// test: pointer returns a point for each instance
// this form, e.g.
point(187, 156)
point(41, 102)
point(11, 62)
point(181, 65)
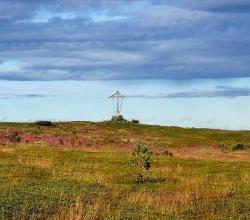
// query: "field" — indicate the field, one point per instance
point(82, 170)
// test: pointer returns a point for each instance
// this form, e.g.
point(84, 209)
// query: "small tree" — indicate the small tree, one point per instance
point(140, 163)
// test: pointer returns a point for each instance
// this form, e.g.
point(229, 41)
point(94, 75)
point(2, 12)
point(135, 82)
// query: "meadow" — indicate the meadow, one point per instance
point(81, 170)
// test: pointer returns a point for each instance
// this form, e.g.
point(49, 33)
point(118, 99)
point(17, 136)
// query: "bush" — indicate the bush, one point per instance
point(140, 163)
point(135, 121)
point(167, 153)
point(14, 137)
point(239, 147)
point(44, 123)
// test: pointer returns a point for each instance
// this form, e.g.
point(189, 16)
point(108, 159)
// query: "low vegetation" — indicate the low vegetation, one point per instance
point(239, 147)
point(83, 170)
point(44, 123)
point(14, 136)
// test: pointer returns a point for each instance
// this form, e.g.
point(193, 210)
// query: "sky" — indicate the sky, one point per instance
point(188, 50)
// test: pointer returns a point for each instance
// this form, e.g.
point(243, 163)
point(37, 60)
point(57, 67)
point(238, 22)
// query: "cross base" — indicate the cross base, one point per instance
point(118, 118)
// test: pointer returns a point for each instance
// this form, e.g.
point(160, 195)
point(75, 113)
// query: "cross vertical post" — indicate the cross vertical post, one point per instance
point(118, 100)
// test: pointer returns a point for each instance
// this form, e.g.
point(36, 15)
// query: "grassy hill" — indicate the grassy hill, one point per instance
point(82, 170)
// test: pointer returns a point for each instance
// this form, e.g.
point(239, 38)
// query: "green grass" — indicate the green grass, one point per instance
point(92, 179)
point(108, 133)
point(47, 182)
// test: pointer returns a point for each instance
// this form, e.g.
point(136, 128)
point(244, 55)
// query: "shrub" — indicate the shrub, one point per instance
point(222, 145)
point(14, 137)
point(44, 123)
point(140, 163)
point(135, 121)
point(167, 153)
point(61, 142)
point(239, 147)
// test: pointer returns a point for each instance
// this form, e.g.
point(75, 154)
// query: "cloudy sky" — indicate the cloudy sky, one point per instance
point(124, 39)
point(195, 52)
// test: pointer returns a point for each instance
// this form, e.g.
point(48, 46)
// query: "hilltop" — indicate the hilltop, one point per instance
point(81, 170)
point(112, 136)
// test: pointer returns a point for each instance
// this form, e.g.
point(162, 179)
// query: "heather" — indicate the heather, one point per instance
point(82, 170)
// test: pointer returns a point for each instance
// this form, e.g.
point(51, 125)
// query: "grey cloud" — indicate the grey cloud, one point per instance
point(218, 92)
point(225, 6)
point(160, 39)
point(235, 6)
point(12, 95)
